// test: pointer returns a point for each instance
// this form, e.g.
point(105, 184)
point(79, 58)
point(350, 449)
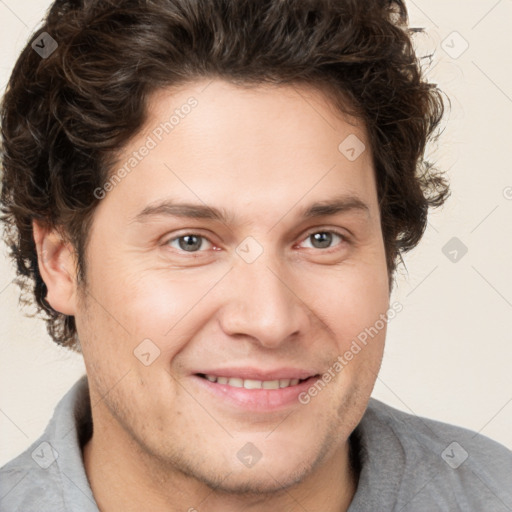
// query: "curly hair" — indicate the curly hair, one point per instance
point(65, 117)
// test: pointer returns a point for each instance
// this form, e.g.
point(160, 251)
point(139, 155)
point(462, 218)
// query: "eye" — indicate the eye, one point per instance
point(324, 239)
point(189, 242)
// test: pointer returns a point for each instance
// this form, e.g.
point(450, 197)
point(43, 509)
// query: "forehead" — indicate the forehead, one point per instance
point(311, 109)
point(258, 149)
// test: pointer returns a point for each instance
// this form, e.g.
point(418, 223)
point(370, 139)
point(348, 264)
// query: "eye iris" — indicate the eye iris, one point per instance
point(323, 238)
point(190, 242)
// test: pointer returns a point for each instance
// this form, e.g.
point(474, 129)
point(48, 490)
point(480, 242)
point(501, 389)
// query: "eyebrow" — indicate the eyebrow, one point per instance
point(340, 204)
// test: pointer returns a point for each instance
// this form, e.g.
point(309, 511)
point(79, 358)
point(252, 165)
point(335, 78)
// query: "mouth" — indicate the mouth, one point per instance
point(245, 393)
point(238, 382)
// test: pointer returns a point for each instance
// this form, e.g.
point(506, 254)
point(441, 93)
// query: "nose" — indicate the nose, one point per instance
point(260, 303)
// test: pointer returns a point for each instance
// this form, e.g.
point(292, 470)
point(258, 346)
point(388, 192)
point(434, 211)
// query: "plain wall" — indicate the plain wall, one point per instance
point(448, 353)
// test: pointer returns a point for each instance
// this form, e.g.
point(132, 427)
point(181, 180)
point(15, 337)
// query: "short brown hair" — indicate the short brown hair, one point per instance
point(64, 117)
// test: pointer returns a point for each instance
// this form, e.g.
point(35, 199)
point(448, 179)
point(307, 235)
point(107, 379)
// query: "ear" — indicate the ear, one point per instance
point(57, 266)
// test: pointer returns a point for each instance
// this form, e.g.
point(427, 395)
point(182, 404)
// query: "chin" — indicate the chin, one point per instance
point(263, 480)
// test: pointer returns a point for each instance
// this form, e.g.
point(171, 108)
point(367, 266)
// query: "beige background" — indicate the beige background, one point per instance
point(449, 352)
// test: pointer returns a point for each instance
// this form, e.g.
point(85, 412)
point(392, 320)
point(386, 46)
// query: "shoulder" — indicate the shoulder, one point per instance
point(30, 481)
point(435, 436)
point(432, 432)
point(49, 475)
point(450, 467)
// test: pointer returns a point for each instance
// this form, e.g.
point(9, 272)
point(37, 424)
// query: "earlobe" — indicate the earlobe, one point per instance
point(57, 266)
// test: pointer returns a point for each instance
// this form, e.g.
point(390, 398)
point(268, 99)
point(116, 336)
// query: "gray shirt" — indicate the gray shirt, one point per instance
point(406, 463)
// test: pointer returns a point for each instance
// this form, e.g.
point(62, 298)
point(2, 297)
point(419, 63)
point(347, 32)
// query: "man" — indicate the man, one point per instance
point(209, 199)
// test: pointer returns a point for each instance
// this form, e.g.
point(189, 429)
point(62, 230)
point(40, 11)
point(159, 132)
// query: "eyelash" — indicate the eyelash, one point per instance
point(344, 240)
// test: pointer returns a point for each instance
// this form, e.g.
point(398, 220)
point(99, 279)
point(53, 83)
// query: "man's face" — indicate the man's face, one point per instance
point(264, 294)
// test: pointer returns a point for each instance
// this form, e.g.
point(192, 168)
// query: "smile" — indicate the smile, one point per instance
point(238, 382)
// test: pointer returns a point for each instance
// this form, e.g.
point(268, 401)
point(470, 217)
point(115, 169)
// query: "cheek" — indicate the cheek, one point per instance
point(353, 299)
point(161, 305)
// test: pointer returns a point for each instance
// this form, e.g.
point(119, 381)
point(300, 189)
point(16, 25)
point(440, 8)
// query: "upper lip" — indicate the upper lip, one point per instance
point(260, 374)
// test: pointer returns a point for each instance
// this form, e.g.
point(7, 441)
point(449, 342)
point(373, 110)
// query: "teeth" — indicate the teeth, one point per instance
point(253, 384)
point(236, 382)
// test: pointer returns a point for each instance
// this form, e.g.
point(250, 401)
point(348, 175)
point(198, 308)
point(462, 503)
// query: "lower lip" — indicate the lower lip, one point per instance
point(257, 400)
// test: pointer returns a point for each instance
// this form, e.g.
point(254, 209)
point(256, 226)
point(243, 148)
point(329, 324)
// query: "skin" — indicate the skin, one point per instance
point(161, 441)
